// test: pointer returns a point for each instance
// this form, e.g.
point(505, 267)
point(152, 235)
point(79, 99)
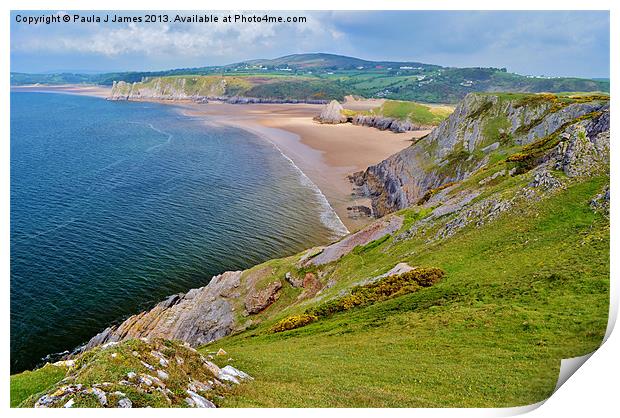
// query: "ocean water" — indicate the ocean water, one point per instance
point(116, 205)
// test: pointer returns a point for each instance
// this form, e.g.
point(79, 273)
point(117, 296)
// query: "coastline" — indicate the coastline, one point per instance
point(324, 154)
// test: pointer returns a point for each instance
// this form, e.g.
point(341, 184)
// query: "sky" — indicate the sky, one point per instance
point(552, 43)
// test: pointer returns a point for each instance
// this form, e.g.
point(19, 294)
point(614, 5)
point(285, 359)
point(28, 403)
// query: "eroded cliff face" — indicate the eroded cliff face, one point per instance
point(231, 90)
point(482, 127)
point(196, 317)
point(170, 88)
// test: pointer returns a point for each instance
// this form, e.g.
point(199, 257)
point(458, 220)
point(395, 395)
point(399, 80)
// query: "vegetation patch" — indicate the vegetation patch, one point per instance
point(429, 193)
point(134, 373)
point(383, 289)
point(293, 321)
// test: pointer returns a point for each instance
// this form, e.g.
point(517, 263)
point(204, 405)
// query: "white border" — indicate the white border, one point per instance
point(593, 388)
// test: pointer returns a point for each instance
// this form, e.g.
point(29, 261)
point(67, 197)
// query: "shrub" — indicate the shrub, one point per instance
point(385, 288)
point(292, 322)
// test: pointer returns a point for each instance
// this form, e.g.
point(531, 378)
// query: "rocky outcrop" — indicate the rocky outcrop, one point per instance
point(259, 300)
point(332, 113)
point(374, 231)
point(462, 143)
point(198, 89)
point(196, 317)
point(582, 151)
point(137, 374)
point(387, 124)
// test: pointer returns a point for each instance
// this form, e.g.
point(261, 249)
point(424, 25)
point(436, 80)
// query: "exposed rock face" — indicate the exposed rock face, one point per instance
point(197, 317)
point(583, 151)
point(387, 124)
point(370, 233)
point(585, 147)
point(185, 88)
point(311, 285)
point(460, 146)
point(261, 299)
point(332, 113)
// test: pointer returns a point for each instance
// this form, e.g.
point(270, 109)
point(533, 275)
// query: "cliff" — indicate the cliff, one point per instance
point(227, 89)
point(481, 128)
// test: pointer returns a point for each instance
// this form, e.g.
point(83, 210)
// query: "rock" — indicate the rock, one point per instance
point(124, 403)
point(69, 404)
point(359, 211)
point(199, 401)
point(374, 231)
point(293, 281)
point(258, 301)
point(131, 375)
point(492, 147)
point(162, 375)
point(198, 317)
point(230, 370)
point(221, 352)
point(332, 113)
point(545, 180)
point(600, 202)
point(311, 285)
point(388, 124)
point(197, 386)
point(160, 357)
point(148, 366)
point(101, 397)
point(65, 363)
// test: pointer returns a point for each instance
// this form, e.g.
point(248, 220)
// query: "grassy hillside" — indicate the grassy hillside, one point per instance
point(520, 294)
point(303, 76)
point(412, 111)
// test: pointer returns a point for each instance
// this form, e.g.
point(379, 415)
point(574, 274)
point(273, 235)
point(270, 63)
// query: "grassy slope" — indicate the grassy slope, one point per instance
point(30, 382)
point(520, 294)
point(415, 112)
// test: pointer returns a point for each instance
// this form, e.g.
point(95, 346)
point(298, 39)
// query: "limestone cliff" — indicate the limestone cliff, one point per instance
point(234, 90)
point(483, 126)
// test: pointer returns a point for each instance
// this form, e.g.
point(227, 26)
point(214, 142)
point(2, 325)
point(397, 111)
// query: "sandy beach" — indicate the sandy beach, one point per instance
point(327, 154)
point(87, 90)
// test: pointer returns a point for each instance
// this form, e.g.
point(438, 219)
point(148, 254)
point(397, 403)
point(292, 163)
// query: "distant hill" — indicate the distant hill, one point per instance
point(330, 61)
point(329, 76)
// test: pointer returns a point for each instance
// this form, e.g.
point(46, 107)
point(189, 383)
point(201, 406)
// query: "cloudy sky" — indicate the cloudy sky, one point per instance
point(555, 43)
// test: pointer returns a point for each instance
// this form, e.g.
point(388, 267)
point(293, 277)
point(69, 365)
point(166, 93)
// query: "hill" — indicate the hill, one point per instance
point(303, 76)
point(489, 265)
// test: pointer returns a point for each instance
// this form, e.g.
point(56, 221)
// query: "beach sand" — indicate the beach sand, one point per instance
point(326, 154)
point(87, 90)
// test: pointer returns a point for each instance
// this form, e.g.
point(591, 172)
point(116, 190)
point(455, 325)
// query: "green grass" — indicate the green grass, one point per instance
point(519, 295)
point(29, 383)
point(415, 112)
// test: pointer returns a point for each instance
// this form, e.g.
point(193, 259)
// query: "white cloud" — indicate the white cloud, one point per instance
point(180, 39)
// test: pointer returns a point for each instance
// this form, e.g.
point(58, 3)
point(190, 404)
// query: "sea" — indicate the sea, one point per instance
point(116, 205)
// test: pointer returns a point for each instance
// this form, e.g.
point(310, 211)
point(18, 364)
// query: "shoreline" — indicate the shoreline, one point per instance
point(324, 154)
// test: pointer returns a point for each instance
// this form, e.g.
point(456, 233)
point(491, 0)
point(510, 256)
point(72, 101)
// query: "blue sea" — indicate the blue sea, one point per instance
point(115, 205)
